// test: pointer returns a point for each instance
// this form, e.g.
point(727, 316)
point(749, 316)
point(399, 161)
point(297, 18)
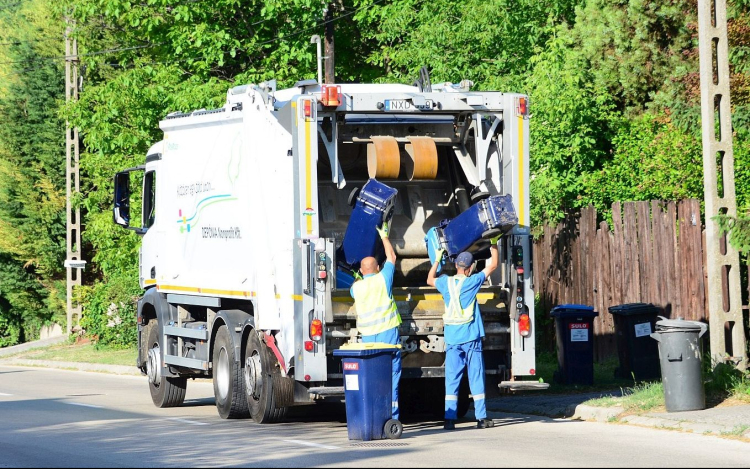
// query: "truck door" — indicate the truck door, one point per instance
point(151, 237)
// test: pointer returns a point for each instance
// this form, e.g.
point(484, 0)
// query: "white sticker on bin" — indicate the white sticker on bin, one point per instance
point(579, 332)
point(642, 330)
point(352, 382)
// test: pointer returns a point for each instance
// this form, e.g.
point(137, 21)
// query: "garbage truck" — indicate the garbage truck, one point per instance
point(243, 210)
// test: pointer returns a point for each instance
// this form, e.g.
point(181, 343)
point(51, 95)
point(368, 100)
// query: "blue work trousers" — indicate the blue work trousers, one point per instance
point(390, 337)
point(458, 357)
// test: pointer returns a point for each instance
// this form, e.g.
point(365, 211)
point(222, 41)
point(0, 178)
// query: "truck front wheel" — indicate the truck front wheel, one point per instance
point(229, 383)
point(165, 391)
point(261, 375)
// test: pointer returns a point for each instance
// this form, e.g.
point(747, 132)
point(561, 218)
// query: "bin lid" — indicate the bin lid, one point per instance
point(573, 310)
point(665, 325)
point(631, 309)
point(361, 349)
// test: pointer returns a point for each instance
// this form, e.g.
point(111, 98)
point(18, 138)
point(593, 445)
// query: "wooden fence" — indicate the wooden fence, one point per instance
point(652, 254)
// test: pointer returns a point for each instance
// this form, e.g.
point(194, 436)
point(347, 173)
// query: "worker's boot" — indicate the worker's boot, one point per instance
point(449, 425)
point(485, 423)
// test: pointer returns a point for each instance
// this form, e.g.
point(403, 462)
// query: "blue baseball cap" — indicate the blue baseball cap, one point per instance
point(464, 260)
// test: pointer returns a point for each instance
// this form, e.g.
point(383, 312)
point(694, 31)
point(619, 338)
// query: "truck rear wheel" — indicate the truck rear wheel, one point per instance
point(261, 376)
point(229, 382)
point(165, 391)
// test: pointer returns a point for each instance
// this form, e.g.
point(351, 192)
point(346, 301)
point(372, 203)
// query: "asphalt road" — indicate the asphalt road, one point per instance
point(57, 418)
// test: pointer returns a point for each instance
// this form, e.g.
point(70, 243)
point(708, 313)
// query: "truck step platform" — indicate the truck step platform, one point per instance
point(326, 391)
point(523, 385)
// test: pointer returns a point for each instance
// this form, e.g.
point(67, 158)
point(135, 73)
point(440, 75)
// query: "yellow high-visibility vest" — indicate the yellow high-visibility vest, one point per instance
point(376, 310)
point(455, 315)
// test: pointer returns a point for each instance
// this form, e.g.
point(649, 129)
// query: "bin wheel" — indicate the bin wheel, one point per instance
point(478, 195)
point(393, 429)
point(353, 196)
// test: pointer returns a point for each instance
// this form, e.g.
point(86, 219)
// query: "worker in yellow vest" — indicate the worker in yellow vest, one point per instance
point(463, 332)
point(377, 314)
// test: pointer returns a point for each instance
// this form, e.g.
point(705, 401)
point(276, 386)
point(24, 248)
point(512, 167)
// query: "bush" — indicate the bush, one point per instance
point(726, 381)
point(109, 311)
point(10, 333)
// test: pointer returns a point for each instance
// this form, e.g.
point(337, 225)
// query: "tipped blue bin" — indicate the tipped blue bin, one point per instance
point(367, 388)
point(373, 206)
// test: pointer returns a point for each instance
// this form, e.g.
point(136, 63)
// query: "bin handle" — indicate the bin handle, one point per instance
point(674, 359)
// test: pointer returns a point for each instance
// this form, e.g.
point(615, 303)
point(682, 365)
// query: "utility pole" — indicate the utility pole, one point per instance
point(724, 289)
point(73, 215)
point(330, 75)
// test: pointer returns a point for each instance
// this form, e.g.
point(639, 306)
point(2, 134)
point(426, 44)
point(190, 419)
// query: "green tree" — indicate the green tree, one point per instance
point(32, 170)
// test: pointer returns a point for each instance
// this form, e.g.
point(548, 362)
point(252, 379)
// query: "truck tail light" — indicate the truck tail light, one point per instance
point(522, 107)
point(330, 95)
point(309, 345)
point(307, 108)
point(316, 330)
point(524, 325)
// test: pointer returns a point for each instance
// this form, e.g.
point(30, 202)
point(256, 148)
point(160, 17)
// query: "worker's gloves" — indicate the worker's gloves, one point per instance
point(383, 231)
point(494, 240)
point(439, 255)
point(356, 275)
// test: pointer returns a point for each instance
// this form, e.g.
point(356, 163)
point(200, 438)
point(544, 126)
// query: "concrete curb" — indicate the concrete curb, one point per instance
point(599, 414)
point(90, 367)
point(556, 406)
point(694, 427)
point(6, 351)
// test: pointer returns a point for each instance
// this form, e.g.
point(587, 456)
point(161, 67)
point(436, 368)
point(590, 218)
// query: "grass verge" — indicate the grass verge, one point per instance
point(642, 397)
point(723, 384)
point(726, 382)
point(87, 353)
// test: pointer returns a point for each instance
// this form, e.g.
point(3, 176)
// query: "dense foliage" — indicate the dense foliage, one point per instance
point(32, 171)
point(613, 85)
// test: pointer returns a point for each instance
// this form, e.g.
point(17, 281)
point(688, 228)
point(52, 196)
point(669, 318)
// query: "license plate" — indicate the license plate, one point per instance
point(406, 105)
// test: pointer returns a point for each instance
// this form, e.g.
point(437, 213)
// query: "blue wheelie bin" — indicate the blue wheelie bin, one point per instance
point(367, 387)
point(373, 205)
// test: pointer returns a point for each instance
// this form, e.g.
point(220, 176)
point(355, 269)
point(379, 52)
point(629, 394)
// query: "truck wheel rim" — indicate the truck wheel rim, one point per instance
point(153, 368)
point(222, 374)
point(253, 376)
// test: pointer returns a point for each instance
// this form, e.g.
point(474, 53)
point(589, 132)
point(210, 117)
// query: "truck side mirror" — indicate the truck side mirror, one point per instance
point(121, 209)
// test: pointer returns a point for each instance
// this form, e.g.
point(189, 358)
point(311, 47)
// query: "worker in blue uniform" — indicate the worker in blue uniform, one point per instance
point(377, 315)
point(463, 332)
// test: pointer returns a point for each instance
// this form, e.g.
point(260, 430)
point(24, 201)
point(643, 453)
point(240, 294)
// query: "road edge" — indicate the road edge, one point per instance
point(89, 367)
